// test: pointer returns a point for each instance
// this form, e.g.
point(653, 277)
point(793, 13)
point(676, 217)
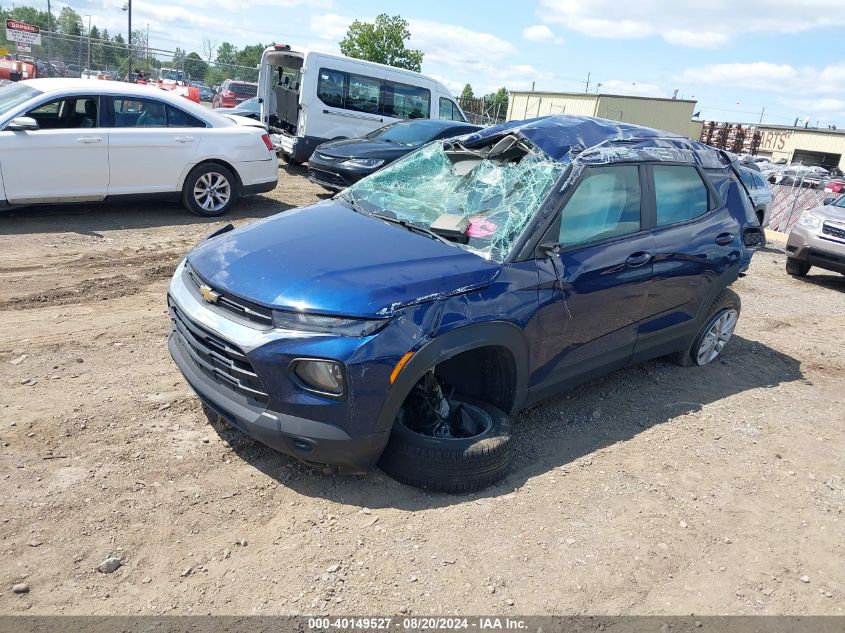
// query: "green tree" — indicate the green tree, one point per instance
point(195, 67)
point(382, 42)
point(250, 55)
point(467, 93)
point(30, 15)
point(496, 103)
point(227, 53)
point(69, 22)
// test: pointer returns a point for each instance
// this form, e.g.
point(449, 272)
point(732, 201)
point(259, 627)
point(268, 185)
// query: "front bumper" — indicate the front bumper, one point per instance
point(808, 245)
point(334, 177)
point(303, 438)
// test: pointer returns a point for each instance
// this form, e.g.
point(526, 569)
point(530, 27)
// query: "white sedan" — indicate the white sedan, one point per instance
point(72, 140)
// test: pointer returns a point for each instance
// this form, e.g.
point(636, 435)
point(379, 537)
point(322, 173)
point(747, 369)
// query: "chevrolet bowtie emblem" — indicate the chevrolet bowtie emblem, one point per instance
point(208, 294)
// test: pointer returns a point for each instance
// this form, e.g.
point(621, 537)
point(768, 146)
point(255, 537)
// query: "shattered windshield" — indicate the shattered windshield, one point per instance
point(495, 190)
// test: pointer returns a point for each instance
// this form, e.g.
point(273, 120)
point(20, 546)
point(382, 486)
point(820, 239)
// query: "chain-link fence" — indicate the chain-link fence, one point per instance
point(789, 202)
point(483, 112)
point(62, 55)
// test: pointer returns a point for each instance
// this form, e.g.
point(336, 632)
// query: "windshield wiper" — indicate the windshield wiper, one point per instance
point(413, 227)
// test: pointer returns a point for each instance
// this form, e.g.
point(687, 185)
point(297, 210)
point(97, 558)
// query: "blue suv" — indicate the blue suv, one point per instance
point(404, 321)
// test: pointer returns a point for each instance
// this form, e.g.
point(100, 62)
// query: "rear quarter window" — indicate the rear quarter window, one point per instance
point(680, 194)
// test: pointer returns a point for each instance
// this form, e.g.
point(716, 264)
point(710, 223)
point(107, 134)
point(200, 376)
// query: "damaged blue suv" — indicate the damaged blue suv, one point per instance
point(404, 321)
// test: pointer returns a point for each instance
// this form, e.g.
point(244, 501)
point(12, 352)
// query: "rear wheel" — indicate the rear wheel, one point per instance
point(715, 334)
point(210, 190)
point(797, 268)
point(466, 447)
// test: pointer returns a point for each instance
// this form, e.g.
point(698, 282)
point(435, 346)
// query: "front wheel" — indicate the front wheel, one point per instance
point(715, 334)
point(797, 268)
point(475, 458)
point(210, 190)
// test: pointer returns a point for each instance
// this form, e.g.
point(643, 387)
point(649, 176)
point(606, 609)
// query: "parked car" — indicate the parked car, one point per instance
point(760, 192)
point(818, 239)
point(233, 93)
point(100, 140)
point(206, 93)
point(309, 98)
point(836, 185)
point(338, 164)
point(249, 109)
point(405, 320)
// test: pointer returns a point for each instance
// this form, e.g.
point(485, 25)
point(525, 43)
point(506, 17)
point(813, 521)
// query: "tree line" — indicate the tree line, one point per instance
point(383, 41)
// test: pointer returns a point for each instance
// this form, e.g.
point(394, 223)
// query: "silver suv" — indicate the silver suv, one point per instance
point(818, 239)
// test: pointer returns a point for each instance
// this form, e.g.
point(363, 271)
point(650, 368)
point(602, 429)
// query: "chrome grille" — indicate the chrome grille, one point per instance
point(217, 358)
point(236, 305)
point(833, 231)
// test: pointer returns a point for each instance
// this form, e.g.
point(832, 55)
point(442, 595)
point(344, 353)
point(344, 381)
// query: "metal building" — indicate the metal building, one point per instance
point(808, 146)
point(672, 115)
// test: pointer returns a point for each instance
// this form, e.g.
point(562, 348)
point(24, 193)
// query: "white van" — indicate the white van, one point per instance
point(309, 98)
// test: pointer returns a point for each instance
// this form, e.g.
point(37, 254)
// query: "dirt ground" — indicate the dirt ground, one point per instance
point(656, 490)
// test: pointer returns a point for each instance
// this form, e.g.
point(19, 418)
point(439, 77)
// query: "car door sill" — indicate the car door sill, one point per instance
point(56, 200)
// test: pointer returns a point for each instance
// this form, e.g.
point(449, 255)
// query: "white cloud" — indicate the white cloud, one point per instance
point(770, 77)
point(454, 54)
point(689, 22)
point(540, 33)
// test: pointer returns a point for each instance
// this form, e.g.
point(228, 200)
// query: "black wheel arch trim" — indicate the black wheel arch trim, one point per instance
point(440, 348)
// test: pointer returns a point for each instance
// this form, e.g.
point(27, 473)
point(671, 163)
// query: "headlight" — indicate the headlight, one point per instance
point(363, 162)
point(320, 376)
point(326, 324)
point(809, 220)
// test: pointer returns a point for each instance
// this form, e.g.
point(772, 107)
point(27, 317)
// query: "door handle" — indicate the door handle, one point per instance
point(638, 259)
point(184, 139)
point(89, 139)
point(723, 239)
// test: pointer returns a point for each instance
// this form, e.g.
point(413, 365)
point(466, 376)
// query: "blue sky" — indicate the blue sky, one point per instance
point(734, 57)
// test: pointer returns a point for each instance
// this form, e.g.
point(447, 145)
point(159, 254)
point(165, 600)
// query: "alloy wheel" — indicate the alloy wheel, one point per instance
point(717, 335)
point(212, 191)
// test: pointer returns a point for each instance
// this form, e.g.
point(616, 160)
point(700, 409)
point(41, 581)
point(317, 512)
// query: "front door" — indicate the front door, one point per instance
point(593, 293)
point(151, 145)
point(65, 160)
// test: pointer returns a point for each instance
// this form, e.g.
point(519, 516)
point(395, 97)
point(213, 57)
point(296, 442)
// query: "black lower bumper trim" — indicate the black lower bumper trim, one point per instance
point(304, 439)
point(262, 187)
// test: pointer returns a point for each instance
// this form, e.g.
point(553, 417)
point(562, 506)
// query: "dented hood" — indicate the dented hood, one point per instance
point(329, 259)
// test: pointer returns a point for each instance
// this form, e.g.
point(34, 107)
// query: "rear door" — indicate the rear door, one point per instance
point(696, 244)
point(65, 160)
point(152, 144)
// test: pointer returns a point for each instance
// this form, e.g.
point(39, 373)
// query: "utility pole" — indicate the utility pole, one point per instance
point(761, 115)
point(49, 27)
point(587, 89)
point(88, 67)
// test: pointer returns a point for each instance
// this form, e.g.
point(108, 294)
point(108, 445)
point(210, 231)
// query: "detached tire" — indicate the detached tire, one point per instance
point(796, 268)
point(447, 464)
point(210, 190)
point(718, 328)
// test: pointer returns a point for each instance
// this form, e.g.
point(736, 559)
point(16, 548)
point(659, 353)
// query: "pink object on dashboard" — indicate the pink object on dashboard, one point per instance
point(479, 227)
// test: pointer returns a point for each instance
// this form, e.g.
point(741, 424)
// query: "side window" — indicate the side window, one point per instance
point(449, 111)
point(680, 194)
point(759, 182)
point(363, 94)
point(747, 178)
point(67, 113)
point(330, 87)
point(606, 204)
point(404, 101)
point(180, 118)
point(134, 112)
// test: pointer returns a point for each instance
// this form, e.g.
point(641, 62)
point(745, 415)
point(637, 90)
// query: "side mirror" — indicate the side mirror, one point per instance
point(23, 124)
point(827, 201)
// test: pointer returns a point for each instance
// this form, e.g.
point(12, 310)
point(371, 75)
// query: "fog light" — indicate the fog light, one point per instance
point(320, 376)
